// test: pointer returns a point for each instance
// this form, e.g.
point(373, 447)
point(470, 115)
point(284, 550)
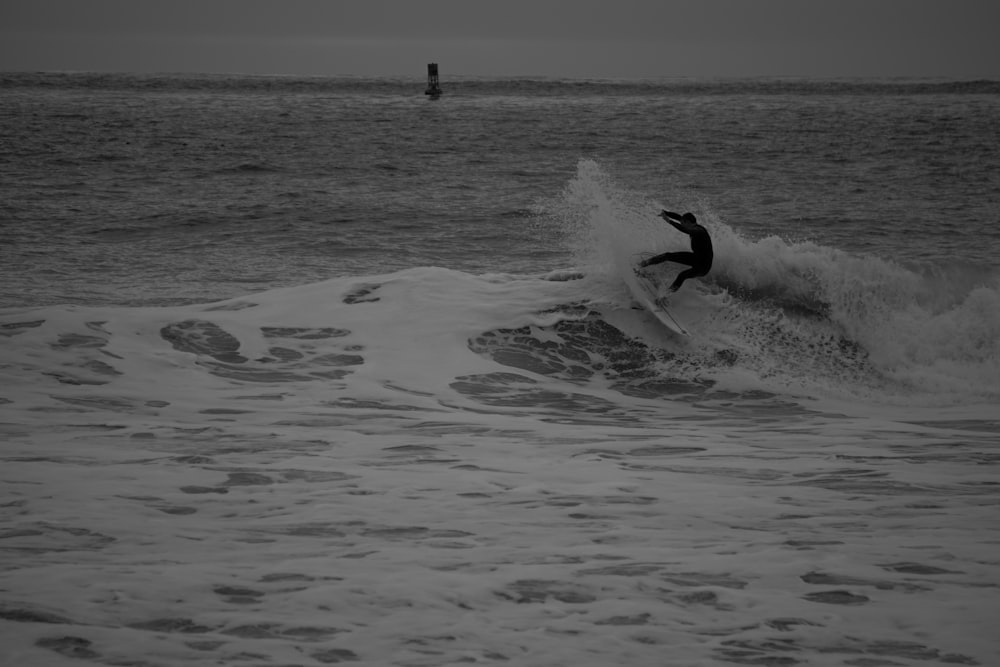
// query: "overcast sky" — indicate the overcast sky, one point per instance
point(563, 38)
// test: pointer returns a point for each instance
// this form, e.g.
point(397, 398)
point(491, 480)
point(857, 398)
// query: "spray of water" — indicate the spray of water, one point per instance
point(797, 310)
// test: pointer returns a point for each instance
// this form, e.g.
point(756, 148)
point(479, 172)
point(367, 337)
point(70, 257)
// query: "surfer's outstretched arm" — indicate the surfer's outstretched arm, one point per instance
point(676, 221)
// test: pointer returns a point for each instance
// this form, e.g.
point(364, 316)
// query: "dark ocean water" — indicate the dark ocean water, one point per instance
point(160, 189)
point(306, 371)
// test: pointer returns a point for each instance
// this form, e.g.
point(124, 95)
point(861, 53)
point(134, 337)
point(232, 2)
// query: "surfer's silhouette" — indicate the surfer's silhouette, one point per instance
point(700, 257)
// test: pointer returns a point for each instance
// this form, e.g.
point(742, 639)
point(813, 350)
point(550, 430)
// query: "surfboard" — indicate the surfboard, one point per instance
point(647, 293)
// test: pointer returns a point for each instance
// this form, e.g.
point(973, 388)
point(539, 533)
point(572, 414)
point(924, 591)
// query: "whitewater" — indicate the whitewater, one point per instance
point(432, 467)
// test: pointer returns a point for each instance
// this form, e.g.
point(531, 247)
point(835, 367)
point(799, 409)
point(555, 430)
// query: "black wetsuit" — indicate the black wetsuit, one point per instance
point(700, 257)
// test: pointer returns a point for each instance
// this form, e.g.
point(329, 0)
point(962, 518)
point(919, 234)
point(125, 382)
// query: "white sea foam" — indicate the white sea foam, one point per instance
point(783, 304)
point(430, 467)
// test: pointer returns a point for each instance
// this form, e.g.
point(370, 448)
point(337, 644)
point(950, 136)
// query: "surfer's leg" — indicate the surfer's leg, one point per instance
point(695, 271)
point(687, 258)
point(681, 277)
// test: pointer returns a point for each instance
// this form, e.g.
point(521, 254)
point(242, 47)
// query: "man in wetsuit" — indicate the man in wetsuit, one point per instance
point(700, 257)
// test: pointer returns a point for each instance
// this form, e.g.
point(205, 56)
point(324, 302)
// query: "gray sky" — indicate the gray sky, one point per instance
point(571, 38)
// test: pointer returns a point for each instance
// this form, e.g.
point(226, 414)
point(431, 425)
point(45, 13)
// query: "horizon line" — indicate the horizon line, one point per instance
point(521, 77)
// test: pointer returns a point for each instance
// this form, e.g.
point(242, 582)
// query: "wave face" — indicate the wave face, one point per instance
point(801, 313)
point(847, 327)
point(774, 316)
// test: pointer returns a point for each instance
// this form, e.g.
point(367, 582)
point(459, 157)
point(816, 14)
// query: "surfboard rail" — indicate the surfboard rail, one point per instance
point(647, 294)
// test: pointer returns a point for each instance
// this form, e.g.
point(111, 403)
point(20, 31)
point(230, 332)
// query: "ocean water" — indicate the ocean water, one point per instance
point(310, 371)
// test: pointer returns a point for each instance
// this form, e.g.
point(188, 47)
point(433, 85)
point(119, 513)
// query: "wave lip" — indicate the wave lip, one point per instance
point(800, 312)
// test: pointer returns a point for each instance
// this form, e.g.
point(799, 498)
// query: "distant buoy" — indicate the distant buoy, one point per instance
point(433, 85)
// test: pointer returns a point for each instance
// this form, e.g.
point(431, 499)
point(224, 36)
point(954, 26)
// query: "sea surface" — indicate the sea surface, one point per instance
point(303, 371)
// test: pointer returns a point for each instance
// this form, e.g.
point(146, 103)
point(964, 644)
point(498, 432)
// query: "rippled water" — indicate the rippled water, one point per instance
point(164, 189)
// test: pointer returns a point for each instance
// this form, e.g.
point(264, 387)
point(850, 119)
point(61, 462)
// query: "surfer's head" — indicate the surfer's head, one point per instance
point(689, 217)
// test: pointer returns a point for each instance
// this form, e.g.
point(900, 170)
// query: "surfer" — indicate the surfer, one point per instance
point(700, 257)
